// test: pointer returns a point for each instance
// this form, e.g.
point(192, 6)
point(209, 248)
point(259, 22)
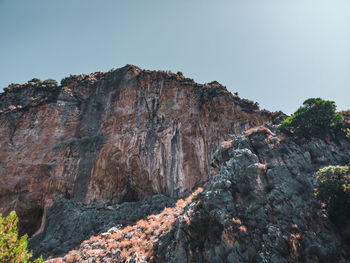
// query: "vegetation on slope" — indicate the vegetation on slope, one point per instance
point(316, 118)
point(334, 191)
point(12, 248)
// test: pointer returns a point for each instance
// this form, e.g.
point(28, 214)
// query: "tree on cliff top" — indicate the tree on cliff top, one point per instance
point(12, 249)
point(317, 117)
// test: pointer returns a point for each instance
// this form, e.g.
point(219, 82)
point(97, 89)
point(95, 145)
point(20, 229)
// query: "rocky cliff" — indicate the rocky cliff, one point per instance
point(112, 137)
point(258, 207)
point(148, 166)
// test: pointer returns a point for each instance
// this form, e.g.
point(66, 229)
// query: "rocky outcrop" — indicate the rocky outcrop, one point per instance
point(259, 207)
point(112, 137)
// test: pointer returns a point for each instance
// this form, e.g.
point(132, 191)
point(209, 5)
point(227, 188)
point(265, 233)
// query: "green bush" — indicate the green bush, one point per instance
point(334, 190)
point(13, 249)
point(179, 73)
point(316, 118)
point(347, 133)
point(63, 81)
point(36, 81)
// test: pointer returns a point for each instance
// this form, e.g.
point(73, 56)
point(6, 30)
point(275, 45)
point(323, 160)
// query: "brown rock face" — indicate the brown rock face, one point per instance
point(112, 137)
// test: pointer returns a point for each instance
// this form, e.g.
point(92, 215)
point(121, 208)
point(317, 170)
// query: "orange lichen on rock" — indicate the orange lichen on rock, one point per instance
point(237, 221)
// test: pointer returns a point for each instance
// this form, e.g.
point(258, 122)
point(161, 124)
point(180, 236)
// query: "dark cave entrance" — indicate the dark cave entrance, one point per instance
point(29, 221)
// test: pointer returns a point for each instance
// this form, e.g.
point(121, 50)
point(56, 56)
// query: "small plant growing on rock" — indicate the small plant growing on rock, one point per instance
point(316, 118)
point(334, 190)
point(13, 249)
point(180, 73)
point(348, 133)
point(235, 93)
point(63, 81)
point(35, 81)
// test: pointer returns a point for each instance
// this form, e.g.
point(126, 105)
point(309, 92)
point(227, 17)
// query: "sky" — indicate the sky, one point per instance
point(275, 52)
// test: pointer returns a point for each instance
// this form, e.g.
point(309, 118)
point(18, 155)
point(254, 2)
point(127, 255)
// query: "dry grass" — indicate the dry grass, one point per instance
point(237, 221)
point(261, 129)
point(138, 238)
point(226, 144)
point(243, 229)
point(187, 220)
point(263, 167)
point(295, 244)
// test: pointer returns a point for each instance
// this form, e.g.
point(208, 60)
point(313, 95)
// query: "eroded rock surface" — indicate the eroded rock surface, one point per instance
point(260, 207)
point(112, 137)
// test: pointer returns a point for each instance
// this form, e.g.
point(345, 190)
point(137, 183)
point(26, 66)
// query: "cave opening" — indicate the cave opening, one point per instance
point(29, 221)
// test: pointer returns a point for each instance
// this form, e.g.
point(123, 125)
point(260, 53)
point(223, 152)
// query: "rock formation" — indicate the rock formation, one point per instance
point(112, 137)
point(148, 166)
point(260, 207)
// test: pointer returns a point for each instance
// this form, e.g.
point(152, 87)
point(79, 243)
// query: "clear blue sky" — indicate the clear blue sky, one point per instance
point(275, 52)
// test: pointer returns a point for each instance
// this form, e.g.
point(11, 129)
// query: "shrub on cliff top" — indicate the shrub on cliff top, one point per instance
point(35, 81)
point(179, 73)
point(317, 118)
point(334, 190)
point(13, 249)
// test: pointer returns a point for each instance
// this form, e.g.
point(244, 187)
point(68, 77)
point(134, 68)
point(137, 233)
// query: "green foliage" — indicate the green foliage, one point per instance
point(348, 133)
point(36, 81)
point(334, 190)
point(316, 118)
point(39, 260)
point(13, 249)
point(179, 73)
point(64, 81)
point(235, 93)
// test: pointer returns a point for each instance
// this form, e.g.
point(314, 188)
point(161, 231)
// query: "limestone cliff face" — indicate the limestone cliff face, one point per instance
point(112, 137)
